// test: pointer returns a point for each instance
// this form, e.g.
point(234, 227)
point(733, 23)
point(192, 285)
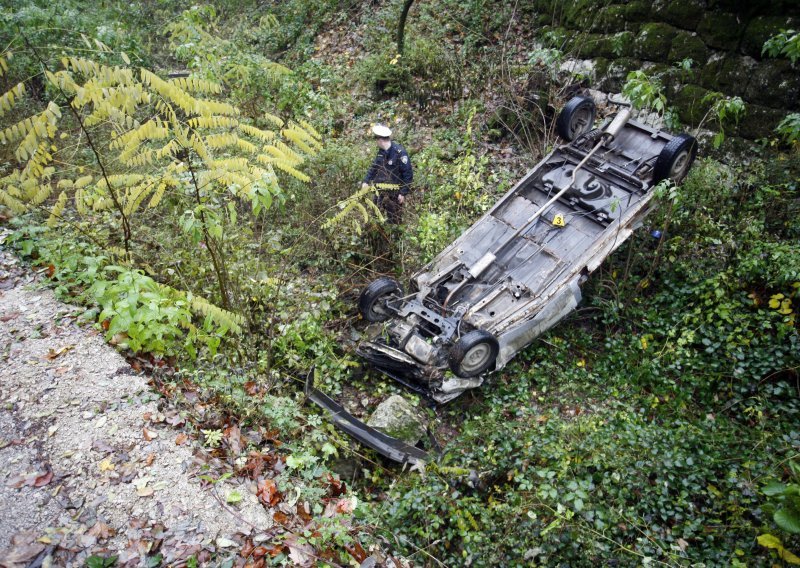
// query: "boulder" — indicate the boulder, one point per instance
point(720, 30)
point(397, 418)
point(654, 42)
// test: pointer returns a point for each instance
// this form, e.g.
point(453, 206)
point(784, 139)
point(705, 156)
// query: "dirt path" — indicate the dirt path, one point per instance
point(88, 462)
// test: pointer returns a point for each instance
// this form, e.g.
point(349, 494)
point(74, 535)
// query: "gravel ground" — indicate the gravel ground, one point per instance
point(88, 464)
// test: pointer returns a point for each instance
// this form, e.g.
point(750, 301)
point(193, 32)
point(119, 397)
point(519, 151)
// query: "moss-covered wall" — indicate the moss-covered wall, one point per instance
point(723, 37)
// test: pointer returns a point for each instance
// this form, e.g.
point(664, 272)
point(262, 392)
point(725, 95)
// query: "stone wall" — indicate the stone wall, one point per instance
point(724, 38)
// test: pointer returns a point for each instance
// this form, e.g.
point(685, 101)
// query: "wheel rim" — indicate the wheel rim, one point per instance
point(378, 306)
point(680, 165)
point(580, 120)
point(476, 358)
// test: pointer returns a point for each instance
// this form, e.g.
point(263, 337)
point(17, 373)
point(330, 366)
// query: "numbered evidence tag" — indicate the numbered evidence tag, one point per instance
point(559, 221)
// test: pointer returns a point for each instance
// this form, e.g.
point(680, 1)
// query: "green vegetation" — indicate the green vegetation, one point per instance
point(211, 224)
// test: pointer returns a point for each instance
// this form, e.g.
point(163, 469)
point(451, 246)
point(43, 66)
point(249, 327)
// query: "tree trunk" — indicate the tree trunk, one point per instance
point(401, 26)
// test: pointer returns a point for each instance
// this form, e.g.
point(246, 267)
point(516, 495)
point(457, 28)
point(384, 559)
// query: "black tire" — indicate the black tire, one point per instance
point(373, 298)
point(675, 159)
point(473, 354)
point(576, 118)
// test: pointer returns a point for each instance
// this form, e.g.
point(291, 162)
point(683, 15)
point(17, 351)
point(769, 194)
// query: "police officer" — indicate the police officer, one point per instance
point(391, 166)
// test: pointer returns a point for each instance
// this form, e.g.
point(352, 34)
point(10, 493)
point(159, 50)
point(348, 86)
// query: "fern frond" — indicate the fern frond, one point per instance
point(245, 146)
point(359, 201)
point(199, 146)
point(298, 140)
point(280, 164)
point(220, 141)
point(62, 80)
point(136, 195)
point(4, 63)
point(119, 181)
point(213, 121)
point(57, 210)
point(289, 153)
point(171, 92)
point(300, 133)
point(195, 85)
point(83, 181)
point(263, 135)
point(231, 164)
point(310, 129)
point(207, 107)
point(40, 196)
point(277, 121)
point(217, 315)
point(36, 166)
point(8, 98)
point(12, 202)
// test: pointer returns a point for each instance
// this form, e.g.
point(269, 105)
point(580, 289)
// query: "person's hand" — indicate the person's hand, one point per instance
point(401, 198)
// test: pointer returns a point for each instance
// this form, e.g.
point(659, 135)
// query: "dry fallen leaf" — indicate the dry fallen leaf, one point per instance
point(149, 460)
point(149, 434)
point(53, 354)
point(43, 479)
point(106, 465)
point(181, 439)
point(101, 530)
point(268, 492)
point(145, 491)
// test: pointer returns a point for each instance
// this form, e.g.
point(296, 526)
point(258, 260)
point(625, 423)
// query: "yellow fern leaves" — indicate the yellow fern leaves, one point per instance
point(263, 135)
point(57, 210)
point(8, 98)
point(360, 202)
point(217, 315)
point(4, 63)
point(277, 121)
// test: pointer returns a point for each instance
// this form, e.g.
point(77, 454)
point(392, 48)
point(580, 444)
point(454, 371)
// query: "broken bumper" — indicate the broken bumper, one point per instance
point(387, 446)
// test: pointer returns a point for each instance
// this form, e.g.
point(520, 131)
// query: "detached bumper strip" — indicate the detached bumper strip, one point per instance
point(387, 446)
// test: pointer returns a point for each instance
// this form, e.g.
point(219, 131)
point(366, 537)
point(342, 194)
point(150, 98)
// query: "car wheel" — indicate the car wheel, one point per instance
point(675, 159)
point(575, 118)
point(473, 354)
point(372, 302)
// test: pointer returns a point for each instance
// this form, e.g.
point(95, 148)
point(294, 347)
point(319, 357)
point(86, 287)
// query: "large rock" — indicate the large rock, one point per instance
point(654, 42)
point(720, 30)
point(397, 418)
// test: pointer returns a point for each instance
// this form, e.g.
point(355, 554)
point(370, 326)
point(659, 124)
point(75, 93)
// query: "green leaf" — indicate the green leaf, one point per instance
point(234, 497)
point(788, 519)
point(774, 488)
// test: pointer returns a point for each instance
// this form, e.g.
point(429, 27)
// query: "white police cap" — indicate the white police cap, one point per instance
point(381, 131)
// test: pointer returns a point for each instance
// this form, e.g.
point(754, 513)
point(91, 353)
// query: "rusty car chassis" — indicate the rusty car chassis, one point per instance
point(518, 270)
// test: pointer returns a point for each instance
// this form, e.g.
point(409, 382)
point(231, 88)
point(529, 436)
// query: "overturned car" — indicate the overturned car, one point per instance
point(518, 270)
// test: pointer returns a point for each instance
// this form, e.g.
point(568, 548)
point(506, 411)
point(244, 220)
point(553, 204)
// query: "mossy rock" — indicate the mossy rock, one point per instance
point(592, 45)
point(579, 14)
point(759, 121)
point(621, 44)
point(600, 67)
point(554, 36)
point(397, 418)
point(684, 14)
point(654, 42)
point(688, 103)
point(745, 8)
point(610, 19)
point(720, 30)
point(638, 11)
point(760, 29)
point(734, 75)
point(688, 45)
point(774, 82)
point(615, 74)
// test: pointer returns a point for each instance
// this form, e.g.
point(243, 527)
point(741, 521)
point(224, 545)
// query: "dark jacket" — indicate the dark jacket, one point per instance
point(391, 166)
